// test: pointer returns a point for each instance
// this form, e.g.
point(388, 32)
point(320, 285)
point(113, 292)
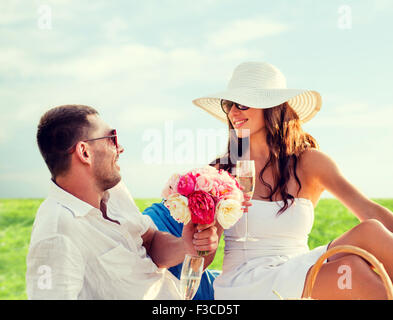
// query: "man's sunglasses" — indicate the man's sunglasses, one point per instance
point(113, 137)
point(227, 105)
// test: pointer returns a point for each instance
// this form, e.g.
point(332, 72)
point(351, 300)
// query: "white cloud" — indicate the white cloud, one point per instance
point(16, 61)
point(382, 5)
point(137, 61)
point(102, 62)
point(115, 29)
point(355, 114)
point(25, 183)
point(244, 30)
point(148, 116)
point(13, 12)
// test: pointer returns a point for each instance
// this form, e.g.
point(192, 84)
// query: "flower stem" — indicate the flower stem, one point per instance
point(203, 253)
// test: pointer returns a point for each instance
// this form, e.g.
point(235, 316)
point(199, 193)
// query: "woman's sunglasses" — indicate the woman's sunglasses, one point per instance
point(227, 105)
point(113, 137)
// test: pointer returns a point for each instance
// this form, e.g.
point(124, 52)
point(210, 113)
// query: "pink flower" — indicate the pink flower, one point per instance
point(224, 189)
point(204, 183)
point(186, 184)
point(202, 207)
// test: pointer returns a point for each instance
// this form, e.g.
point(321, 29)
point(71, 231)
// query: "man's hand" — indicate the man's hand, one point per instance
point(198, 237)
point(166, 250)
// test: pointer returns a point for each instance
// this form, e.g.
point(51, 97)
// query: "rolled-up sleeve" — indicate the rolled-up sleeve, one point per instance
point(122, 203)
point(55, 269)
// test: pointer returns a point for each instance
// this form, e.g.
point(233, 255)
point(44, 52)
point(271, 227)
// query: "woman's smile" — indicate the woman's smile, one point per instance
point(237, 123)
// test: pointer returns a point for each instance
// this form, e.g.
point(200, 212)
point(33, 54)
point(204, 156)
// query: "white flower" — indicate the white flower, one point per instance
point(178, 207)
point(171, 186)
point(236, 194)
point(229, 212)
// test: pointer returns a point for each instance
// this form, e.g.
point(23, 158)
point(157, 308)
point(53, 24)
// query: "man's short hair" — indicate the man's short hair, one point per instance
point(59, 130)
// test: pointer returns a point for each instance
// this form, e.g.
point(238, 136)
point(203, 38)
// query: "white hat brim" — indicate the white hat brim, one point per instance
point(306, 103)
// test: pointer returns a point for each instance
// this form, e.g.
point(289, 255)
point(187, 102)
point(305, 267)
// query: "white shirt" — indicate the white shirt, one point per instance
point(75, 253)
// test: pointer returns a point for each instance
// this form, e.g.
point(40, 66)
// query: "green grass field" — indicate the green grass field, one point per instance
point(17, 216)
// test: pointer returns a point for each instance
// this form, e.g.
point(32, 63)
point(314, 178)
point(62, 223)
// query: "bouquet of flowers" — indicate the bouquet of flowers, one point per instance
point(203, 195)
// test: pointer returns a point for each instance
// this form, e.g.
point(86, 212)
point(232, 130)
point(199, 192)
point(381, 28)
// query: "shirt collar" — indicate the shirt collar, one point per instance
point(79, 207)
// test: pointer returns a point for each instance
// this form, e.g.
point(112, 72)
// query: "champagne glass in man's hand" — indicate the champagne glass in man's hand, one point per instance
point(190, 276)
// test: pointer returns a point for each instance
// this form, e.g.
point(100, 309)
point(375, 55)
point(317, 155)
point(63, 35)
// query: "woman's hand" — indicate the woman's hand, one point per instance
point(246, 203)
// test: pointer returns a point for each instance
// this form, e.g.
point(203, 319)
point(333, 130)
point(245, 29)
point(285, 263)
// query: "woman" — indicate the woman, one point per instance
point(291, 175)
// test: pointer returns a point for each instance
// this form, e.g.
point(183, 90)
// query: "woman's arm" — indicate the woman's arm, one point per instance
point(329, 177)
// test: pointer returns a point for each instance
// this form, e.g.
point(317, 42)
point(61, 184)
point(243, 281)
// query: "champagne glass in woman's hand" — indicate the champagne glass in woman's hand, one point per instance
point(245, 173)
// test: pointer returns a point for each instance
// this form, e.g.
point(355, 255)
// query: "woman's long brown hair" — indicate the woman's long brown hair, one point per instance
point(286, 140)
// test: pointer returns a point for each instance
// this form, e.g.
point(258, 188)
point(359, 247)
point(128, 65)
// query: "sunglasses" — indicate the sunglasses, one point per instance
point(227, 105)
point(113, 137)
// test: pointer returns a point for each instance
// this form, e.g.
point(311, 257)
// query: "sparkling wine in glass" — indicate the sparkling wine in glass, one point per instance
point(245, 173)
point(191, 274)
point(248, 184)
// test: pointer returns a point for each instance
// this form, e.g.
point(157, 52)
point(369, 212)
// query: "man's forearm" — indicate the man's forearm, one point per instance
point(166, 250)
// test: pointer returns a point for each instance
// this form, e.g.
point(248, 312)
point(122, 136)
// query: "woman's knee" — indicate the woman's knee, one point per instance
point(370, 226)
point(365, 232)
point(361, 235)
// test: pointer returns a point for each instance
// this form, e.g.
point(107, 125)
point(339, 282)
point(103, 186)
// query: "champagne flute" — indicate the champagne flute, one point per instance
point(191, 274)
point(245, 173)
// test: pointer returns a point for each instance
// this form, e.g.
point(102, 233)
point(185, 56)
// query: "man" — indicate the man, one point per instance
point(89, 240)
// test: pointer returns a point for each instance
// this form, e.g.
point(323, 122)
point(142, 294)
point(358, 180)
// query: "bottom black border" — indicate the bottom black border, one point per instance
point(197, 309)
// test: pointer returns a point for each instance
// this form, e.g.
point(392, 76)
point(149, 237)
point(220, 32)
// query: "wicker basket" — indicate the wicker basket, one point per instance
point(348, 249)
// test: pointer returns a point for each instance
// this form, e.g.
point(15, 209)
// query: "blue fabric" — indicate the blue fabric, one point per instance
point(164, 222)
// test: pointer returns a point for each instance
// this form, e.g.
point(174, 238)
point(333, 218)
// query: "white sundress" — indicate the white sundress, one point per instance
point(280, 259)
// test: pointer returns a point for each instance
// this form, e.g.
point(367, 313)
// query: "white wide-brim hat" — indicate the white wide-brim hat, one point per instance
point(261, 85)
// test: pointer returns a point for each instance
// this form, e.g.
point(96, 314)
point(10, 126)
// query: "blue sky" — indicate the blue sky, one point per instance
point(141, 63)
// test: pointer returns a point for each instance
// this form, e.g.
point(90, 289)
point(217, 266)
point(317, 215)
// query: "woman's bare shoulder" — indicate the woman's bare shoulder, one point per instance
point(317, 163)
point(311, 162)
point(312, 157)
